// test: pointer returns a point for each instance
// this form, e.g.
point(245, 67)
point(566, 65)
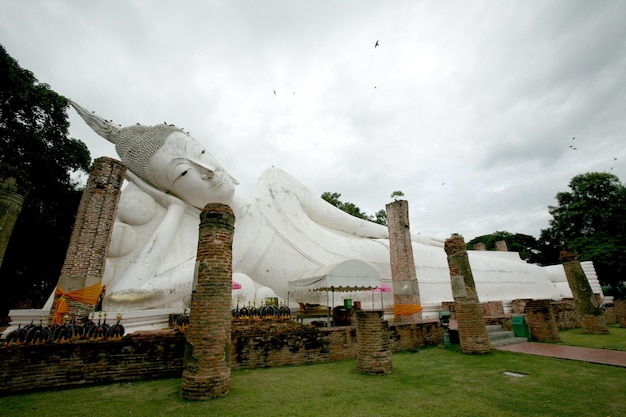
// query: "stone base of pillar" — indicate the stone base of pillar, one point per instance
point(75, 309)
point(202, 387)
point(473, 335)
point(373, 344)
point(541, 321)
point(593, 324)
point(620, 312)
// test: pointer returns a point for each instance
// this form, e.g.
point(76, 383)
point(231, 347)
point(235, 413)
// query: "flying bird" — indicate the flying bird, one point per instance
point(274, 92)
point(376, 44)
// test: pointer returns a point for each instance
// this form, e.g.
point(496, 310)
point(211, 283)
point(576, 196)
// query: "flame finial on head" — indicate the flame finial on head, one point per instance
point(135, 145)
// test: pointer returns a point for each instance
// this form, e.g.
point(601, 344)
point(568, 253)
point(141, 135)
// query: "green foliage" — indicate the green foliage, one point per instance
point(333, 198)
point(396, 195)
point(590, 220)
point(525, 245)
point(35, 150)
point(380, 217)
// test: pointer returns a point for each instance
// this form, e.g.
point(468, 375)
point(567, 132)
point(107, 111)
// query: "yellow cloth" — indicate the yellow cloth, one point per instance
point(406, 309)
point(87, 295)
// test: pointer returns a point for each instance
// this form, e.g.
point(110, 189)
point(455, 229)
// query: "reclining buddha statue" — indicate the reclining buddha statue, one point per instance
point(282, 229)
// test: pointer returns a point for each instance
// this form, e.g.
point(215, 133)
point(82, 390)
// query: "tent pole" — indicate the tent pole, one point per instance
point(328, 309)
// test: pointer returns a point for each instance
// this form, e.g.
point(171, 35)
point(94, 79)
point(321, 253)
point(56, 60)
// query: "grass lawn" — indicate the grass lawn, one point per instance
point(430, 382)
point(616, 340)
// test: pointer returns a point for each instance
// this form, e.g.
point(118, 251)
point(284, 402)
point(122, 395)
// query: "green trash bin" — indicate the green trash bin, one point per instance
point(520, 328)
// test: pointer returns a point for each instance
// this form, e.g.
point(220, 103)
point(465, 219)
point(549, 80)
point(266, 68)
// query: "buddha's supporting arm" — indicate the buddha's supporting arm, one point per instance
point(324, 213)
point(317, 209)
point(145, 268)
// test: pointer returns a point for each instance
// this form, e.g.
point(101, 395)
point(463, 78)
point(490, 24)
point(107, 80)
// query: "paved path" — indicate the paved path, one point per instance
point(604, 356)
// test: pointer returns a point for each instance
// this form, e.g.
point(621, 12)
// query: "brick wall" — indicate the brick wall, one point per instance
point(53, 366)
point(541, 321)
point(565, 314)
point(493, 308)
point(152, 355)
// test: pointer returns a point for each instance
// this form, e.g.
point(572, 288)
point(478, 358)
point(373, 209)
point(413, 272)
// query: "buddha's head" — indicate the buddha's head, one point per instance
point(168, 159)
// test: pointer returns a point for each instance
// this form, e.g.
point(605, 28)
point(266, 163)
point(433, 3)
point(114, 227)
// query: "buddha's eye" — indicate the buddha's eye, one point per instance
point(180, 171)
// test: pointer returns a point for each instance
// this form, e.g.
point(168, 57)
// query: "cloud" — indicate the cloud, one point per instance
point(469, 108)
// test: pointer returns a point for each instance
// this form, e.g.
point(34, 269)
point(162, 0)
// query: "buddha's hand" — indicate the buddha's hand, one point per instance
point(164, 199)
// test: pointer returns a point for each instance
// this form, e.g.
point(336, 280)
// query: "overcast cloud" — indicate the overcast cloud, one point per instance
point(468, 107)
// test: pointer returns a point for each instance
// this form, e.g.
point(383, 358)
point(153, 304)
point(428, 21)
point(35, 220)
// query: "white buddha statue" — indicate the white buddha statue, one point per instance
point(282, 230)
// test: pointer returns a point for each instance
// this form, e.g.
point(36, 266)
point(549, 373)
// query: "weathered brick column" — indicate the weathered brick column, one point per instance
point(473, 335)
point(620, 312)
point(373, 352)
point(206, 365)
point(481, 246)
point(591, 316)
point(10, 207)
point(406, 297)
point(541, 321)
point(501, 246)
point(91, 235)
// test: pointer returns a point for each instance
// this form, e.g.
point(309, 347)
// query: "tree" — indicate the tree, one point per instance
point(396, 195)
point(333, 198)
point(35, 150)
point(380, 217)
point(591, 221)
point(526, 245)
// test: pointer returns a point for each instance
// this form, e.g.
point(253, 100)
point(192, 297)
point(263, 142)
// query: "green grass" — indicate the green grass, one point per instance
point(431, 382)
point(615, 340)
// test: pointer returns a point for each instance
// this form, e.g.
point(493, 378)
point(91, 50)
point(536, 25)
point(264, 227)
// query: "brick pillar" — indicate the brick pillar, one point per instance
point(501, 246)
point(206, 364)
point(89, 243)
point(10, 207)
point(620, 312)
point(591, 316)
point(373, 351)
point(541, 321)
point(406, 296)
point(473, 335)
point(481, 246)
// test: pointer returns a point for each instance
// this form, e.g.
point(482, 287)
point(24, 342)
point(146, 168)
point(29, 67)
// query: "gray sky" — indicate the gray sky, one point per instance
point(468, 107)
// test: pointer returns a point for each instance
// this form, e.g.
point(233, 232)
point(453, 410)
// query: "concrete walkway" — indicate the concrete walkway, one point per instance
point(603, 356)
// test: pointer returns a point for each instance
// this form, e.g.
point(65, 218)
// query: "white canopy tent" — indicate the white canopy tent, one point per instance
point(347, 276)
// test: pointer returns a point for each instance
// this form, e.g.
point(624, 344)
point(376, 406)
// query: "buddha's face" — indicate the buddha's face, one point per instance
point(185, 169)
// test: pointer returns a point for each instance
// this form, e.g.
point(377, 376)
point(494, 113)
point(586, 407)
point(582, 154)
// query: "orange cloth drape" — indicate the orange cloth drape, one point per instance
point(87, 295)
point(406, 309)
